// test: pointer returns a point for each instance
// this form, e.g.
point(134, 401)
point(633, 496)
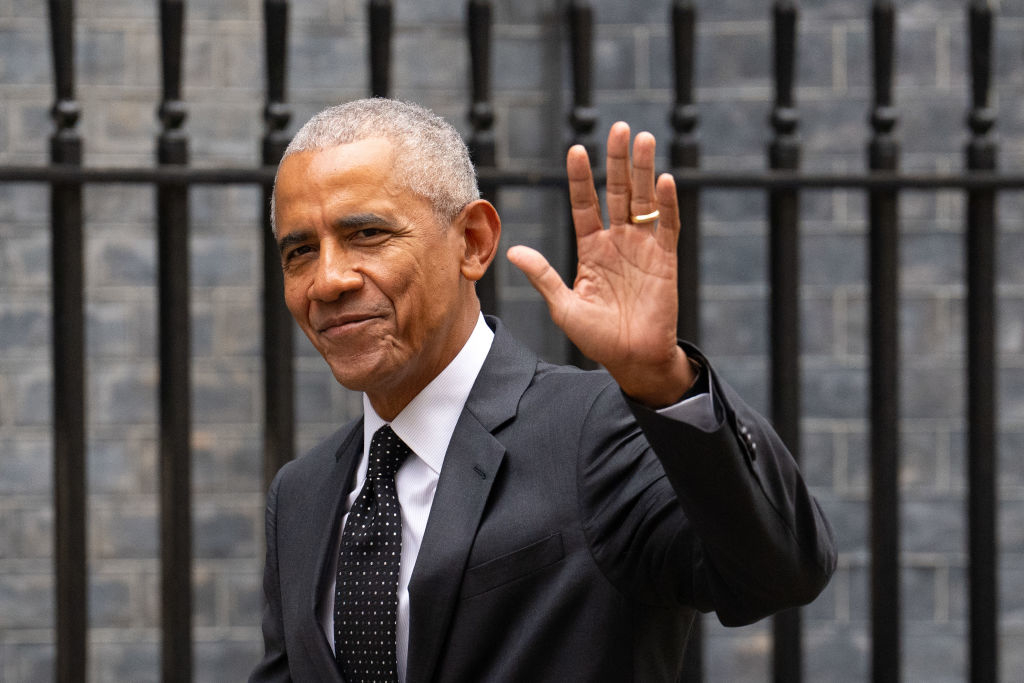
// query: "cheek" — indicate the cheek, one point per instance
point(421, 297)
point(297, 302)
point(294, 300)
point(406, 294)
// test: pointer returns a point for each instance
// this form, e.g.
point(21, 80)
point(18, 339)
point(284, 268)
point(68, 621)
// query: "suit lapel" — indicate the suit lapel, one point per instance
point(471, 464)
point(329, 499)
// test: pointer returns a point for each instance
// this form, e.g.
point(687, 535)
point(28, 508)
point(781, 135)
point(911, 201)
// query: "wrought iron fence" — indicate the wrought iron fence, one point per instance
point(783, 183)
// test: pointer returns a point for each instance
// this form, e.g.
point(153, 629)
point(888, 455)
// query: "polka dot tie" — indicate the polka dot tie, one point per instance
point(366, 599)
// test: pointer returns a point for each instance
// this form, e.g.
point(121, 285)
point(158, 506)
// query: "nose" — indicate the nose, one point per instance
point(335, 273)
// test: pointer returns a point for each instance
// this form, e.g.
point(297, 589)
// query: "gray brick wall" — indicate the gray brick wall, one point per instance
point(118, 86)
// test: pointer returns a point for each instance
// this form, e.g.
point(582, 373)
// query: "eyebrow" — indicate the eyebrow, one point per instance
point(361, 220)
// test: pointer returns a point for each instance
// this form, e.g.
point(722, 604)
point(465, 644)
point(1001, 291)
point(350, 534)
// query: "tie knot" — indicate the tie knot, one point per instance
point(387, 453)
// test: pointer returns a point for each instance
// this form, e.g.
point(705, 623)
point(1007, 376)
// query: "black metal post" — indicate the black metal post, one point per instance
point(685, 153)
point(883, 210)
point(582, 119)
point(981, 358)
point(381, 17)
point(278, 343)
point(784, 260)
point(481, 117)
point(175, 382)
point(68, 360)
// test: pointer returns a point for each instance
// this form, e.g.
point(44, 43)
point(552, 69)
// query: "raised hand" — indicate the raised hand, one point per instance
point(622, 309)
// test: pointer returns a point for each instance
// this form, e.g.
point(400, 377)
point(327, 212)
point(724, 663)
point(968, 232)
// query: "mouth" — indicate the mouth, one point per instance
point(341, 325)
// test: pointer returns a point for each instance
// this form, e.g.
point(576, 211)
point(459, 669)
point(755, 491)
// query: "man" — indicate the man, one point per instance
point(492, 517)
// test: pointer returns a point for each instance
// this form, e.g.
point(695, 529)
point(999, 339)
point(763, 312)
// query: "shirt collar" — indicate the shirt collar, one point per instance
point(427, 423)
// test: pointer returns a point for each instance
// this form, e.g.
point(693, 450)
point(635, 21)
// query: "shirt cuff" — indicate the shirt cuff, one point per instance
point(697, 407)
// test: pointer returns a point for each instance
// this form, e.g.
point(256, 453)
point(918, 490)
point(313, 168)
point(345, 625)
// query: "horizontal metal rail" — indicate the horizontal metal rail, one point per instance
point(529, 176)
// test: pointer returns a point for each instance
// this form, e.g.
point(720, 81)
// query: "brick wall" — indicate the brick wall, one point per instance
point(118, 87)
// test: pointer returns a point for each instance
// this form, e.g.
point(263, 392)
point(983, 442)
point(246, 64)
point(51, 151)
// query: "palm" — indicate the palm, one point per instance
point(623, 301)
point(622, 308)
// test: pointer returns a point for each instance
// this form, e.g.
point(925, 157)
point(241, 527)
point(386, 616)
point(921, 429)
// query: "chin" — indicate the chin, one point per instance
point(357, 374)
point(353, 381)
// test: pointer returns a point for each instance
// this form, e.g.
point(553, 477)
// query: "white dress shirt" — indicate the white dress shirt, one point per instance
point(426, 425)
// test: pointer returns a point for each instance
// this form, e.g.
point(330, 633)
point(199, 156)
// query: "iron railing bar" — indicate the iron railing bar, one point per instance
point(541, 177)
point(685, 154)
point(278, 342)
point(582, 120)
point(175, 451)
point(883, 265)
point(481, 142)
point(153, 175)
point(981, 229)
point(69, 429)
point(784, 319)
point(380, 27)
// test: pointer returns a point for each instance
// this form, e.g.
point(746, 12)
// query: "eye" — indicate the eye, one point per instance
point(370, 236)
point(299, 250)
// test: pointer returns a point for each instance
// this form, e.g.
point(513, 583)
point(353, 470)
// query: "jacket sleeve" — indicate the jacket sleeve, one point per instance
point(274, 664)
point(718, 520)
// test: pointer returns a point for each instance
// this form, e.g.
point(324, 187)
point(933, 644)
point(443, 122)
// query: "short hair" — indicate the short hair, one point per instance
point(433, 159)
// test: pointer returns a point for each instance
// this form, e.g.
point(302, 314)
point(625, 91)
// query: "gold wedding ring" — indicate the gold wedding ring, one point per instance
point(645, 217)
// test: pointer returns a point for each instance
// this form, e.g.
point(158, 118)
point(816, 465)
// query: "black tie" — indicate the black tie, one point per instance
point(366, 599)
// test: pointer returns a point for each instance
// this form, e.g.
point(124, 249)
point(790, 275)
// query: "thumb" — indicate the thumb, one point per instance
point(541, 275)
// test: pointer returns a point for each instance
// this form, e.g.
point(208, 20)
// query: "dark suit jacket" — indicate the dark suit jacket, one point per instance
point(571, 537)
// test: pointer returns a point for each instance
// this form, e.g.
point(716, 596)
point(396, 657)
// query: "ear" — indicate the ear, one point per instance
point(481, 229)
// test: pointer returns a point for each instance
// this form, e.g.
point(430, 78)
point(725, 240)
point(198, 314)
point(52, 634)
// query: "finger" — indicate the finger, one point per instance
point(618, 186)
point(643, 199)
point(667, 234)
point(586, 207)
point(542, 276)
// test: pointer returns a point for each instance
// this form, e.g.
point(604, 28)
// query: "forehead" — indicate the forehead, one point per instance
point(320, 187)
point(362, 162)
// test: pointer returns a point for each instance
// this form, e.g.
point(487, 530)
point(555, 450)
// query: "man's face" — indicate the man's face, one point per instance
point(370, 274)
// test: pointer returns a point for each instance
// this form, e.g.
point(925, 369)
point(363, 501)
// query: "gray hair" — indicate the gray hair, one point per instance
point(433, 159)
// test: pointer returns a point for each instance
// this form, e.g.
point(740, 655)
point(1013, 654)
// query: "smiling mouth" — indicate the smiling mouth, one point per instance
point(342, 325)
